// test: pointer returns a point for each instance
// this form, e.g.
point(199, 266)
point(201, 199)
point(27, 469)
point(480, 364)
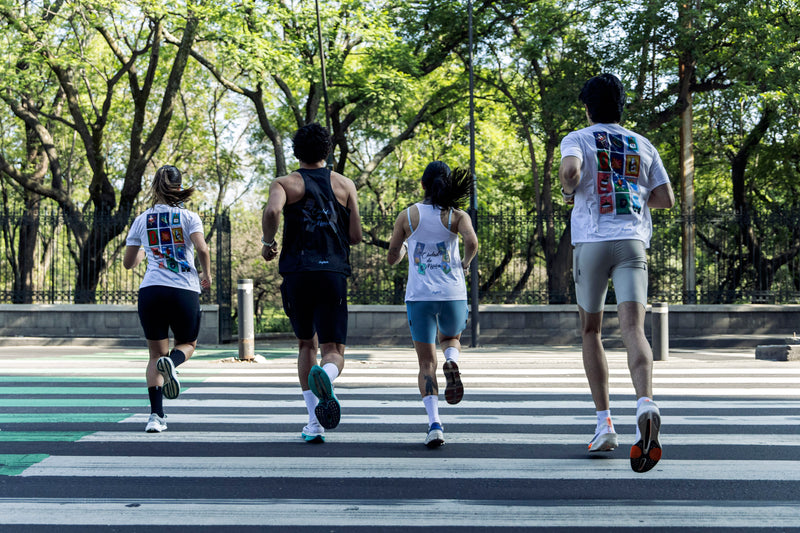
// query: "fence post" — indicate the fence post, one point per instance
point(247, 335)
point(660, 329)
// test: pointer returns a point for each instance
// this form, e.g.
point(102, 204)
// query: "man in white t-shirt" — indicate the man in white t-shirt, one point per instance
point(614, 176)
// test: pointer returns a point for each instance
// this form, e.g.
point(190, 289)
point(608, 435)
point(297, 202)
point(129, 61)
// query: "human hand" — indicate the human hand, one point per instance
point(269, 252)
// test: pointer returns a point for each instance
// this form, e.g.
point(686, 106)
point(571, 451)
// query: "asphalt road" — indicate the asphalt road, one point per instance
point(74, 455)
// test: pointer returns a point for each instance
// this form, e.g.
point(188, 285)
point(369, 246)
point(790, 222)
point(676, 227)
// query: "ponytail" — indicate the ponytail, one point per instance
point(445, 188)
point(166, 187)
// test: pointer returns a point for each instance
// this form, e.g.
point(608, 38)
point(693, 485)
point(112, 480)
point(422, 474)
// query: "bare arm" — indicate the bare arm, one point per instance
point(271, 219)
point(467, 233)
point(355, 216)
point(661, 197)
point(204, 256)
point(133, 256)
point(397, 244)
point(569, 173)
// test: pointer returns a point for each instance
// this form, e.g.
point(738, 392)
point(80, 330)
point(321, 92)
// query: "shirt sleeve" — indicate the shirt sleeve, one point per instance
point(571, 146)
point(195, 224)
point(134, 235)
point(658, 174)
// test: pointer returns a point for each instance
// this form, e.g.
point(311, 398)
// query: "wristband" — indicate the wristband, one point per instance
point(568, 198)
point(268, 244)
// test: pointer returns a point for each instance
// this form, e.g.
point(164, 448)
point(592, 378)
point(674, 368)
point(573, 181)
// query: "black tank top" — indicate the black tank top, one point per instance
point(316, 229)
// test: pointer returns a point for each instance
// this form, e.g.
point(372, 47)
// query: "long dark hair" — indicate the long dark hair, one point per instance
point(166, 187)
point(446, 188)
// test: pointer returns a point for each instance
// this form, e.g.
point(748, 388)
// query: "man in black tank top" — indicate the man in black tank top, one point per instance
point(320, 223)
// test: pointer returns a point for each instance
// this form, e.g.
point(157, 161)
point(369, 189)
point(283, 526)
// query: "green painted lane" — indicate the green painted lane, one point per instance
point(67, 379)
point(42, 436)
point(74, 402)
point(60, 418)
point(69, 391)
point(11, 465)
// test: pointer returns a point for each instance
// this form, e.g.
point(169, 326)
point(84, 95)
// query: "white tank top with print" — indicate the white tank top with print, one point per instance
point(434, 262)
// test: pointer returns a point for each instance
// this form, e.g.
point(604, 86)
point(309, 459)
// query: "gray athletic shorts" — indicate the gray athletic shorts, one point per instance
point(593, 263)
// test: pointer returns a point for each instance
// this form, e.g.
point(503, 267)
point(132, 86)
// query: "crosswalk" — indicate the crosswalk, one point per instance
point(73, 451)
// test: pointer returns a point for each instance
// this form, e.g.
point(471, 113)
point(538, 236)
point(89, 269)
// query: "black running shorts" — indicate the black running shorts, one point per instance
point(316, 302)
point(163, 308)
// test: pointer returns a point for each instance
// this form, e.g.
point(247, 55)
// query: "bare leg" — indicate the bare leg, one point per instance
point(594, 358)
point(157, 349)
point(306, 358)
point(333, 352)
point(426, 355)
point(640, 355)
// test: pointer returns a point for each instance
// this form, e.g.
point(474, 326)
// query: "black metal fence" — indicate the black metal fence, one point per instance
point(42, 261)
point(739, 259)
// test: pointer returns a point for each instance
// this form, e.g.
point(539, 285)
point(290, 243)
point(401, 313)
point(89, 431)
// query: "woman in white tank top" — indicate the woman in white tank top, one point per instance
point(436, 293)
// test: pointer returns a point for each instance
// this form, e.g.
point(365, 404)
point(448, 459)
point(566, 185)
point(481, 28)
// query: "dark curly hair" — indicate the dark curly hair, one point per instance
point(444, 187)
point(604, 97)
point(312, 143)
point(166, 187)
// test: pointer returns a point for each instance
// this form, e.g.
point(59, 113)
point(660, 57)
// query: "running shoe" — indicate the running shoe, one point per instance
point(435, 436)
point(328, 410)
point(171, 387)
point(455, 389)
point(605, 439)
point(155, 424)
point(647, 451)
point(313, 433)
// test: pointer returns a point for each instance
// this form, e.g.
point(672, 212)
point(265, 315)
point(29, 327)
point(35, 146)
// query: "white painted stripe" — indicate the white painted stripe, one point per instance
point(485, 368)
point(409, 468)
point(661, 392)
point(280, 390)
point(395, 513)
point(488, 379)
point(409, 437)
point(394, 402)
point(450, 418)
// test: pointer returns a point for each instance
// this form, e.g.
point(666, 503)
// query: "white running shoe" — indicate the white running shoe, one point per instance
point(172, 387)
point(435, 436)
point(313, 433)
point(605, 439)
point(646, 452)
point(155, 424)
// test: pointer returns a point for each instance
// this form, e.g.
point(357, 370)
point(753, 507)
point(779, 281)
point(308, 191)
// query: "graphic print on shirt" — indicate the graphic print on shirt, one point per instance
point(440, 259)
point(618, 166)
point(166, 240)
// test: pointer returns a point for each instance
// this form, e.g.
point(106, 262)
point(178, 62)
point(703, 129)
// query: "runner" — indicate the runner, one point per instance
point(321, 221)
point(614, 176)
point(169, 296)
point(436, 292)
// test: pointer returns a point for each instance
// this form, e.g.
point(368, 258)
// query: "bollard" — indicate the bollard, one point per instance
point(660, 329)
point(247, 335)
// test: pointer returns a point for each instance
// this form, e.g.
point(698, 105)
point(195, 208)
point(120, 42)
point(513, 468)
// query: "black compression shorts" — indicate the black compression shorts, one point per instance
point(163, 308)
point(316, 302)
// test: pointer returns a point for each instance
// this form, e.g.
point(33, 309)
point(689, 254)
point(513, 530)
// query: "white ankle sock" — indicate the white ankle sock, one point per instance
point(451, 354)
point(639, 403)
point(432, 408)
point(311, 404)
point(332, 371)
point(602, 416)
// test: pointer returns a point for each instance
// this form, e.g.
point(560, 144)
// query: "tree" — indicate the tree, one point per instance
point(86, 53)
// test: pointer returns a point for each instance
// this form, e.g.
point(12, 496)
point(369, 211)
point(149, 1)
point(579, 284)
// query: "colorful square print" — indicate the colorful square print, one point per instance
point(604, 183)
point(607, 203)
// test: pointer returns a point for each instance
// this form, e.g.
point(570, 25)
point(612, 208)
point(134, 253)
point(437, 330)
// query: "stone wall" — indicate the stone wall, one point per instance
point(89, 321)
point(696, 325)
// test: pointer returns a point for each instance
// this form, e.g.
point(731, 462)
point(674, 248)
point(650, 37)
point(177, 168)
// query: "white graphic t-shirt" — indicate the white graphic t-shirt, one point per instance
point(164, 233)
point(619, 170)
